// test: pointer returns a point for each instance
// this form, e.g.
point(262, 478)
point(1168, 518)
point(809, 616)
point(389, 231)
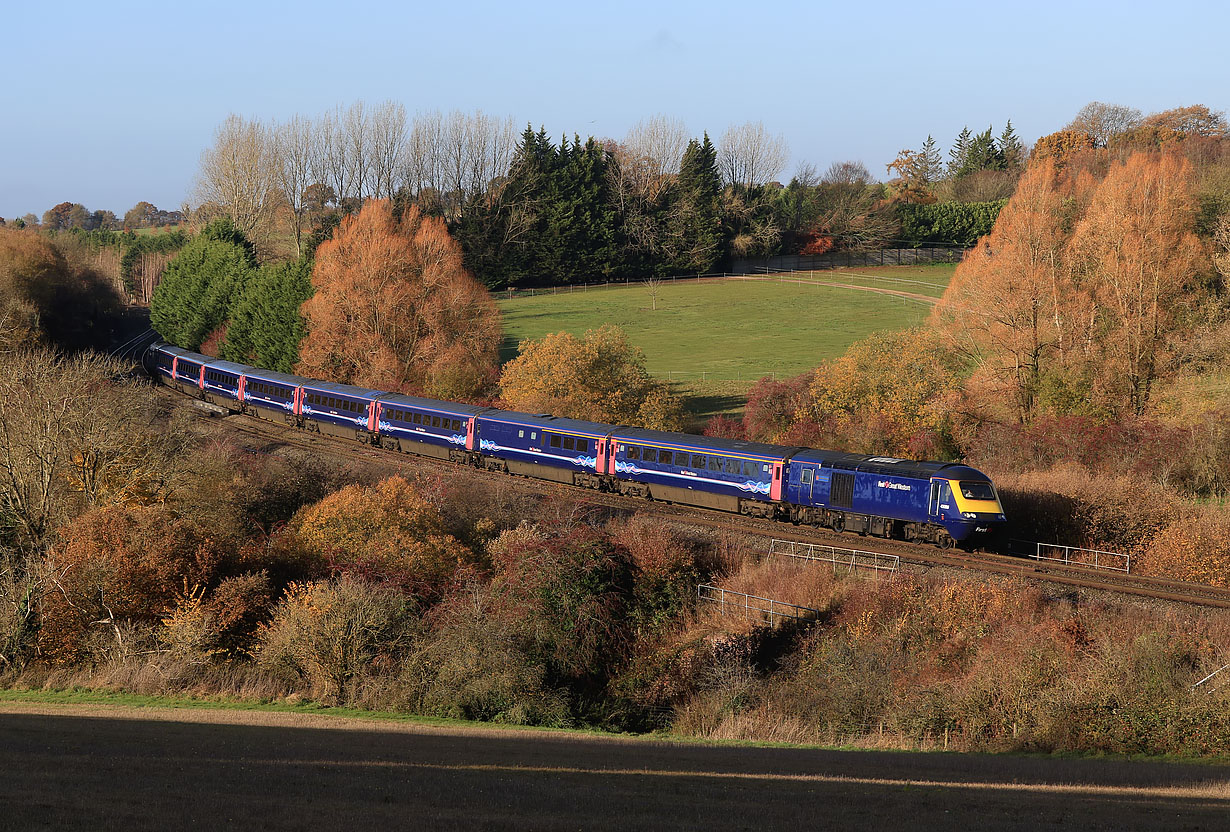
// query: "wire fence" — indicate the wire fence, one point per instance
point(852, 560)
point(753, 607)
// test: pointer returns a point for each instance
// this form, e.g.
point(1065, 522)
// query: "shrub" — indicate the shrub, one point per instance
point(335, 635)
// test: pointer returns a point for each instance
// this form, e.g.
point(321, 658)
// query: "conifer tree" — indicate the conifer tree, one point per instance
point(1011, 148)
point(199, 286)
point(959, 152)
point(266, 326)
point(694, 230)
point(932, 164)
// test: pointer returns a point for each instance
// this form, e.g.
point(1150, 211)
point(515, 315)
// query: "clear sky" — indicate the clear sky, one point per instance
point(108, 103)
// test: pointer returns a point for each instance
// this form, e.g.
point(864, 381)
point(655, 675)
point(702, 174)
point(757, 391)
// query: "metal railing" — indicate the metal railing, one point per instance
point(853, 560)
point(1077, 556)
point(765, 610)
point(1210, 676)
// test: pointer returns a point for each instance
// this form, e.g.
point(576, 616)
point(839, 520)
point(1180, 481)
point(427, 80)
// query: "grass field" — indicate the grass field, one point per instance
point(714, 339)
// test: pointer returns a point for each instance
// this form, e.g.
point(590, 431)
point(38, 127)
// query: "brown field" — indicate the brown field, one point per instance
point(105, 767)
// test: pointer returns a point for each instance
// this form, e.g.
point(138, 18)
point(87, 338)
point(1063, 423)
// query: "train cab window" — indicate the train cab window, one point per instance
point(570, 443)
point(749, 469)
point(555, 443)
point(732, 466)
point(808, 474)
point(665, 458)
point(977, 491)
point(634, 452)
point(583, 445)
point(651, 455)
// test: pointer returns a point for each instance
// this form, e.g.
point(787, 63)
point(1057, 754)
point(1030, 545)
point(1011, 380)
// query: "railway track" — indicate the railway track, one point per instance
point(1072, 575)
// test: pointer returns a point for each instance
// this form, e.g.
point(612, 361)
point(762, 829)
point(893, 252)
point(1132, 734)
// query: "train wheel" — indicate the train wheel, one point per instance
point(946, 541)
point(839, 524)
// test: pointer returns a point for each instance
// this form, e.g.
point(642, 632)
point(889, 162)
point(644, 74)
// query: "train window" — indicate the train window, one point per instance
point(435, 421)
point(749, 469)
point(651, 454)
point(418, 418)
point(732, 466)
point(583, 445)
point(555, 440)
point(698, 461)
point(715, 463)
point(456, 424)
point(570, 443)
point(977, 491)
point(665, 458)
point(634, 452)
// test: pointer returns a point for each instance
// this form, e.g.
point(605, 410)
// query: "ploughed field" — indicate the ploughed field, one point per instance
point(126, 768)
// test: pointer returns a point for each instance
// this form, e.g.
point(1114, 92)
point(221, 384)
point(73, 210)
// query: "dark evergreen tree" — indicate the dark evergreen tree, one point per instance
point(959, 152)
point(693, 241)
point(200, 285)
point(932, 164)
point(1011, 148)
point(982, 153)
point(266, 325)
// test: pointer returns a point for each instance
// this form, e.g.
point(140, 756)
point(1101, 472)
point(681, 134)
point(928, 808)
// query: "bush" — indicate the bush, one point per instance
point(336, 635)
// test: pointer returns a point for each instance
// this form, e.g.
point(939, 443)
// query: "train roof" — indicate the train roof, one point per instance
point(271, 375)
point(888, 465)
point(430, 404)
point(339, 389)
point(548, 422)
point(229, 366)
point(704, 444)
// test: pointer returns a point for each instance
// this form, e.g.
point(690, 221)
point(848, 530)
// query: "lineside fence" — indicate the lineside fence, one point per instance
point(852, 560)
point(753, 607)
point(1076, 556)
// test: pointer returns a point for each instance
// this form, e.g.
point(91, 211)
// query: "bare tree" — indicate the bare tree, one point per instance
point(1104, 121)
point(651, 153)
point(330, 161)
point(295, 141)
point(653, 285)
point(358, 154)
point(239, 175)
point(748, 155)
point(388, 141)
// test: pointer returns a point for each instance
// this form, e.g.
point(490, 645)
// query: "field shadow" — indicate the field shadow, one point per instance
point(60, 773)
point(705, 405)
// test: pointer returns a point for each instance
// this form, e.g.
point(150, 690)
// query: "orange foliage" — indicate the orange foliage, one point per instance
point(395, 309)
point(118, 566)
point(1057, 147)
point(1136, 254)
point(386, 532)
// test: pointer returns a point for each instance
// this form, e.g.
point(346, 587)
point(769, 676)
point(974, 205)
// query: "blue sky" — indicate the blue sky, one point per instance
point(109, 103)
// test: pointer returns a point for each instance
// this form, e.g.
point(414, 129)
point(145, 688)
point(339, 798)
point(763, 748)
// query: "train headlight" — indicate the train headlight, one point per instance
point(969, 515)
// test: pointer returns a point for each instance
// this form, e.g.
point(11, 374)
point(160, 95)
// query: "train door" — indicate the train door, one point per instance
point(940, 504)
point(471, 436)
point(807, 484)
point(775, 489)
point(600, 457)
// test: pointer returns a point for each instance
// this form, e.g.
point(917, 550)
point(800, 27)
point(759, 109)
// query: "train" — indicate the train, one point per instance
point(942, 503)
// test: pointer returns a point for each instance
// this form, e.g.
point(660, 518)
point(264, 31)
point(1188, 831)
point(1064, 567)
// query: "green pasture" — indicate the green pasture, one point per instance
point(713, 339)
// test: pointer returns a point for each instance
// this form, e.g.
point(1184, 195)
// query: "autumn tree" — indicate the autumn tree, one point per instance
point(386, 533)
point(1196, 120)
point(889, 394)
point(1058, 147)
point(395, 309)
point(1003, 305)
point(600, 377)
point(1134, 252)
point(117, 569)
